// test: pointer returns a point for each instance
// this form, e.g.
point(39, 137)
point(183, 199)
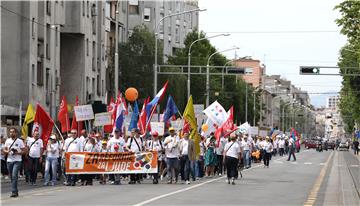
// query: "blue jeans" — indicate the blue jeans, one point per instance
point(13, 168)
point(172, 168)
point(199, 167)
point(53, 162)
point(246, 158)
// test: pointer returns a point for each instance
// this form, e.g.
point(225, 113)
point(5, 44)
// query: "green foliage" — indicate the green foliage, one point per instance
point(349, 63)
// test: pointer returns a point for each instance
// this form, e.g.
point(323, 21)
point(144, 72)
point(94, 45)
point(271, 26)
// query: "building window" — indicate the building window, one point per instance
point(48, 41)
point(161, 26)
point(87, 47)
point(177, 34)
point(40, 74)
point(177, 6)
point(87, 8)
point(56, 36)
point(33, 28)
point(147, 14)
point(93, 86)
point(62, 3)
point(48, 7)
point(47, 79)
point(124, 4)
point(93, 55)
point(93, 10)
point(169, 26)
point(83, 8)
point(33, 73)
point(102, 88)
point(98, 89)
point(133, 9)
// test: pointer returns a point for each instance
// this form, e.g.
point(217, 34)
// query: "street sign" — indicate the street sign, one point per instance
point(84, 112)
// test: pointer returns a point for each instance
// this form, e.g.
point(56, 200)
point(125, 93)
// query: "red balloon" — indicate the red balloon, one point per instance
point(131, 94)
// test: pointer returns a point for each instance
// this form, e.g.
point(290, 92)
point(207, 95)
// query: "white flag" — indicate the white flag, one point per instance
point(216, 113)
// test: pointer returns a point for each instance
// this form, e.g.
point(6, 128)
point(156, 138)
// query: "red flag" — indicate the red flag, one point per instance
point(227, 126)
point(76, 125)
point(186, 127)
point(43, 123)
point(111, 109)
point(63, 116)
point(142, 117)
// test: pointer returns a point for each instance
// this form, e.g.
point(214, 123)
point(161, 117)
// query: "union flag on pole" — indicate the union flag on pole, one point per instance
point(63, 116)
point(43, 123)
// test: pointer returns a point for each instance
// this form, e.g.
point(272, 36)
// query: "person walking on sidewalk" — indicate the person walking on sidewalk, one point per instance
point(14, 148)
point(356, 146)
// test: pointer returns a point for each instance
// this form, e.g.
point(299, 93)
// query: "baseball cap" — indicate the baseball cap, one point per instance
point(171, 129)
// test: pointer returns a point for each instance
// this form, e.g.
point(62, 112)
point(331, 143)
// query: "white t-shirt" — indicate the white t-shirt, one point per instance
point(184, 146)
point(18, 145)
point(246, 145)
point(113, 141)
point(202, 148)
point(2, 156)
point(268, 147)
point(172, 148)
point(90, 147)
point(232, 149)
point(35, 149)
point(281, 143)
point(75, 146)
point(155, 145)
point(135, 144)
point(53, 150)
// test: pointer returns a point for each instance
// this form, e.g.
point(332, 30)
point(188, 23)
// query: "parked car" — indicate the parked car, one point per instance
point(310, 144)
point(344, 145)
point(331, 145)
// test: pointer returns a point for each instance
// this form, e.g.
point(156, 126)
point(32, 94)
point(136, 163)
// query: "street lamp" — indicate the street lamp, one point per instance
point(283, 115)
point(272, 112)
point(156, 45)
point(208, 75)
point(116, 69)
point(189, 59)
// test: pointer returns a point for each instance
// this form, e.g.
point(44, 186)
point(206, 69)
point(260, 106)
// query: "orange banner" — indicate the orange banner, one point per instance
point(111, 163)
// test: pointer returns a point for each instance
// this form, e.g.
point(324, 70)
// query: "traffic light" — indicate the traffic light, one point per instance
point(309, 70)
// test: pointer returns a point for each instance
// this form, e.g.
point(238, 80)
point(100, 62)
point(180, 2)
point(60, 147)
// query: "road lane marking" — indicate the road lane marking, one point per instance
point(322, 164)
point(354, 166)
point(315, 189)
point(307, 163)
point(192, 187)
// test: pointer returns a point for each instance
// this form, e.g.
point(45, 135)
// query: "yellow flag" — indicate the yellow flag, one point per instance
point(189, 116)
point(29, 117)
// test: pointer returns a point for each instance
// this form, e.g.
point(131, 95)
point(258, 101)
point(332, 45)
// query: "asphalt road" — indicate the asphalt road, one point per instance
point(326, 178)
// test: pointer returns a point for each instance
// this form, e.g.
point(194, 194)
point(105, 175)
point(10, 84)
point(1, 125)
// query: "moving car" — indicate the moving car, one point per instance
point(331, 145)
point(344, 145)
point(310, 144)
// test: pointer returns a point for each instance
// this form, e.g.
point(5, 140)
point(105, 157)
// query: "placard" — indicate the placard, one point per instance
point(253, 131)
point(102, 119)
point(3, 132)
point(111, 162)
point(158, 127)
point(83, 112)
point(262, 133)
point(177, 124)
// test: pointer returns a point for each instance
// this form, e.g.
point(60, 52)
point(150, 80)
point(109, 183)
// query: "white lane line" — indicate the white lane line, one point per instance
point(192, 187)
point(307, 163)
point(294, 163)
point(354, 166)
point(322, 164)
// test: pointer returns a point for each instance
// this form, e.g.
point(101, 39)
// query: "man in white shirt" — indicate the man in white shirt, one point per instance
point(14, 147)
point(35, 147)
point(135, 144)
point(220, 144)
point(116, 140)
point(291, 149)
point(171, 144)
point(246, 145)
point(72, 144)
point(155, 144)
point(281, 144)
point(232, 153)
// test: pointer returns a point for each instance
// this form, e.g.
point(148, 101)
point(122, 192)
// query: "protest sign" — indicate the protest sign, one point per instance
point(159, 127)
point(83, 112)
point(102, 119)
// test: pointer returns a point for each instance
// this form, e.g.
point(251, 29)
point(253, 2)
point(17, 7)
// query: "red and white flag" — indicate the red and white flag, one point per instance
point(63, 116)
point(142, 117)
point(110, 108)
point(43, 123)
point(76, 125)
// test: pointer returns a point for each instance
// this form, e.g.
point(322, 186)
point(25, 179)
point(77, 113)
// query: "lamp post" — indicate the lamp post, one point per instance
point(208, 75)
point(283, 115)
point(116, 70)
point(189, 59)
point(272, 112)
point(156, 45)
point(222, 76)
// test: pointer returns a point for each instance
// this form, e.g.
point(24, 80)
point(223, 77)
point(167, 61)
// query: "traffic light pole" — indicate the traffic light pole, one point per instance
point(315, 70)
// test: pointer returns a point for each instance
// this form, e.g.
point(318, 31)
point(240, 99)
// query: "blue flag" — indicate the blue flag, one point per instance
point(134, 117)
point(171, 109)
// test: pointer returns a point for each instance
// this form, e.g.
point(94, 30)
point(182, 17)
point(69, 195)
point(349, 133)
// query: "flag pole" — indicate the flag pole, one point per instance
point(67, 124)
point(151, 114)
point(59, 132)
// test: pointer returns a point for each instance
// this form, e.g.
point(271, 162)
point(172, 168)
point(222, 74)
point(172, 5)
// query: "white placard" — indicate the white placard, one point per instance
point(177, 124)
point(254, 131)
point(102, 119)
point(84, 112)
point(3, 131)
point(158, 127)
point(198, 109)
point(263, 133)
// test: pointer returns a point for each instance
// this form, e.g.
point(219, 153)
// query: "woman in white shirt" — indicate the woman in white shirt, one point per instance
point(232, 153)
point(268, 149)
point(52, 155)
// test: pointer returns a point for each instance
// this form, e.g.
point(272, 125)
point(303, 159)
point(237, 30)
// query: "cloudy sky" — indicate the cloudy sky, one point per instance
point(283, 34)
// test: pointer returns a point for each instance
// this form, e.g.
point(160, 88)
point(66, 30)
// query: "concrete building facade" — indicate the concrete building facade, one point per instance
point(254, 71)
point(332, 102)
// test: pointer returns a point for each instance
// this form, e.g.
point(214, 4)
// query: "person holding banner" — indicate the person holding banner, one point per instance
point(171, 144)
point(155, 144)
point(120, 142)
point(90, 146)
point(103, 149)
point(72, 144)
point(135, 144)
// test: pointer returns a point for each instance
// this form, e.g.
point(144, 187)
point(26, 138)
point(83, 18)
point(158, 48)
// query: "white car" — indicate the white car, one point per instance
point(344, 145)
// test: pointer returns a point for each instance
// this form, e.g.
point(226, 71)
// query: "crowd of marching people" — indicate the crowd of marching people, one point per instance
point(177, 159)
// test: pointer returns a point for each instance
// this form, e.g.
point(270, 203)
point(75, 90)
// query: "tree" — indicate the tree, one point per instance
point(348, 61)
point(136, 60)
